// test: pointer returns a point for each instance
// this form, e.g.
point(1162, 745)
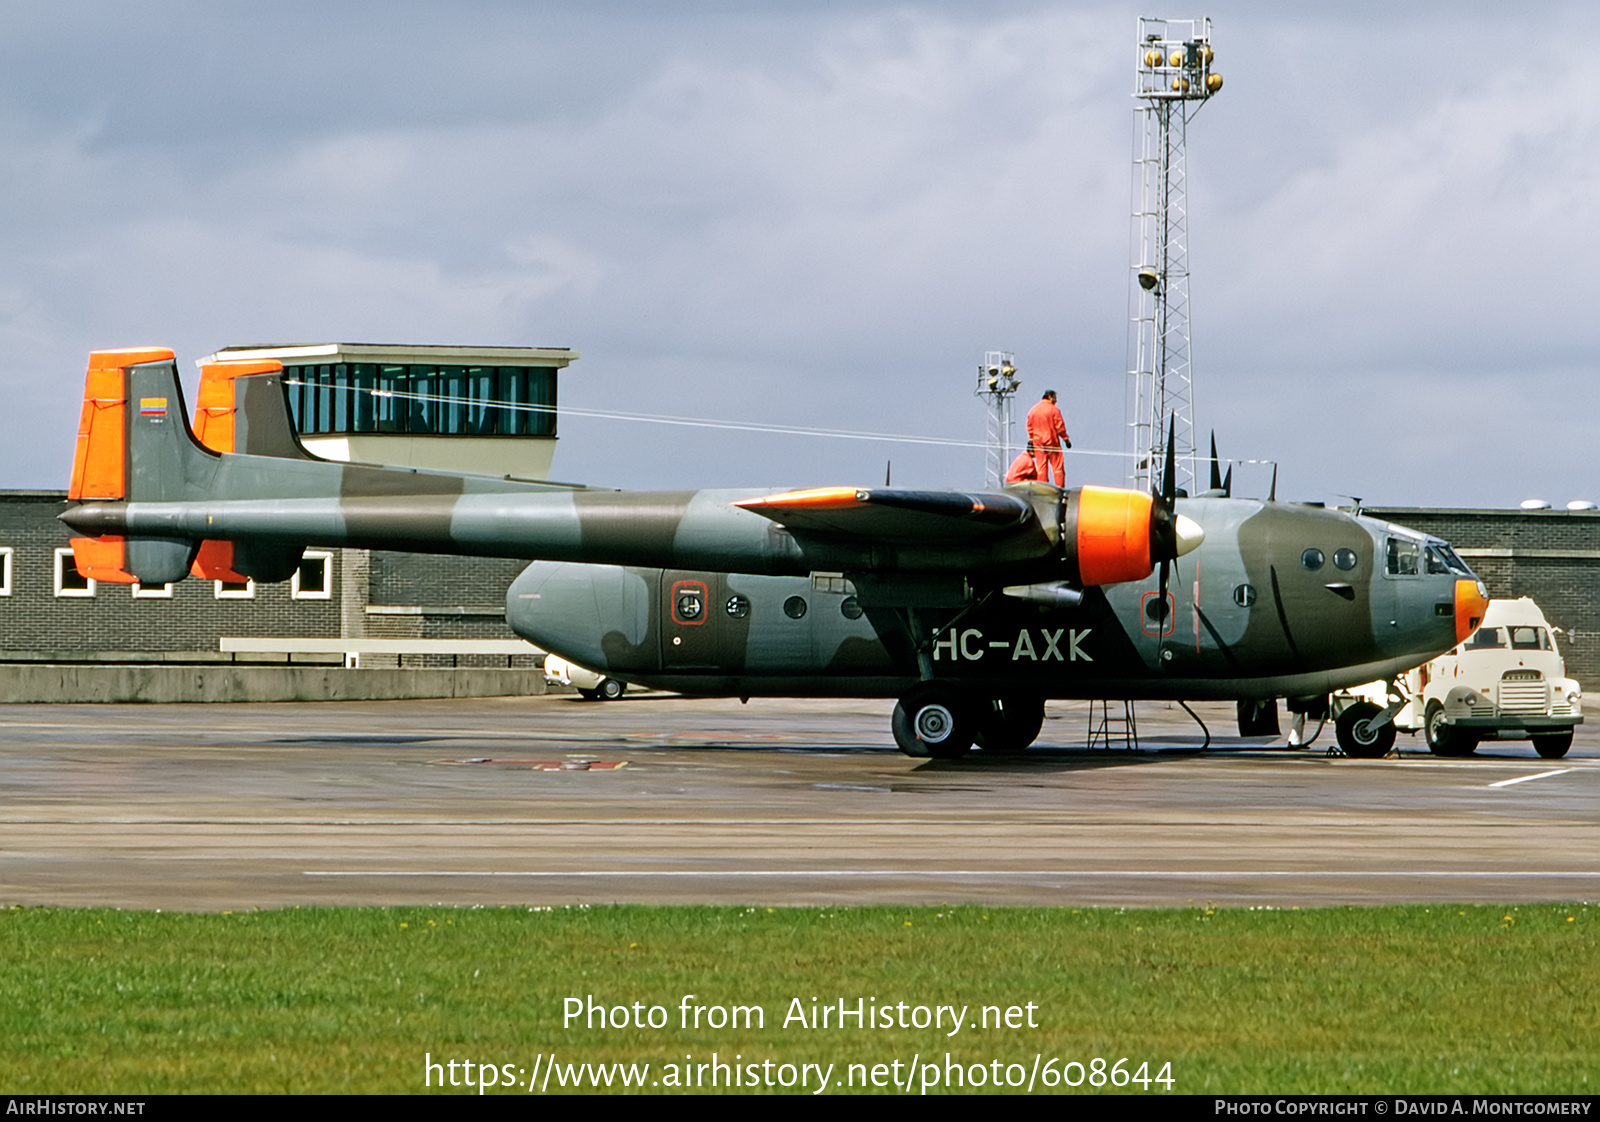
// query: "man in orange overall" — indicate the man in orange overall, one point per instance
point(1047, 433)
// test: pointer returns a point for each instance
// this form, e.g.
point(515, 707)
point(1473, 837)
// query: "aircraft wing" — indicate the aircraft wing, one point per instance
point(898, 516)
point(155, 504)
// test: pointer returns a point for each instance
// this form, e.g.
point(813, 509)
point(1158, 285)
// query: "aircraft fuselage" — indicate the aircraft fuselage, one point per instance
point(1279, 600)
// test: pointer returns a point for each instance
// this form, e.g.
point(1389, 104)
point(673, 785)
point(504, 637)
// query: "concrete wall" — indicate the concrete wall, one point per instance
point(46, 682)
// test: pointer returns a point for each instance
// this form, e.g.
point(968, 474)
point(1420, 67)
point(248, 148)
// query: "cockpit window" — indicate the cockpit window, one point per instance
point(1530, 639)
point(1401, 557)
point(1485, 638)
point(1442, 559)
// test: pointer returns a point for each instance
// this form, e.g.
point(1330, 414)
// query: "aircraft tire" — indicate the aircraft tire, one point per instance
point(933, 721)
point(1553, 746)
point(1444, 739)
point(1359, 740)
point(1009, 723)
point(610, 689)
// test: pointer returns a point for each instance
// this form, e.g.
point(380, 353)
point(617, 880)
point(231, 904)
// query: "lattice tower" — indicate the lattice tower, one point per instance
point(1174, 79)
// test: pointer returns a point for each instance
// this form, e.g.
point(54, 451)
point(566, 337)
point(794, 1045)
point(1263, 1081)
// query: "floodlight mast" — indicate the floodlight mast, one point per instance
point(997, 385)
point(1173, 79)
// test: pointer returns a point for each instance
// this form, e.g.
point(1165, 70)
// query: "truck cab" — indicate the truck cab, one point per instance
point(1506, 681)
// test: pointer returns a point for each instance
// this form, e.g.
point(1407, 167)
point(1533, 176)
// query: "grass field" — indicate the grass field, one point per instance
point(1437, 999)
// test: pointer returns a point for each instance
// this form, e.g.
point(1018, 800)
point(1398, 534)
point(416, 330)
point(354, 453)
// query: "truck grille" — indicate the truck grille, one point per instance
point(1522, 694)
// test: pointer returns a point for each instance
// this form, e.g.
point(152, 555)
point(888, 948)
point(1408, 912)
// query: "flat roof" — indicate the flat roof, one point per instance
point(397, 354)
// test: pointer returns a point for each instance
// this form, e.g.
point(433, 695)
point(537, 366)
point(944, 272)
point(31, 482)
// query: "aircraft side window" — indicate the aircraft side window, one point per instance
point(1244, 595)
point(1345, 559)
point(1312, 559)
point(1486, 638)
point(1527, 639)
point(850, 608)
point(738, 606)
point(794, 607)
point(1401, 557)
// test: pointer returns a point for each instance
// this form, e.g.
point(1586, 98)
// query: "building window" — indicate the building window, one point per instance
point(313, 580)
point(70, 582)
point(152, 591)
point(359, 397)
point(5, 570)
point(235, 590)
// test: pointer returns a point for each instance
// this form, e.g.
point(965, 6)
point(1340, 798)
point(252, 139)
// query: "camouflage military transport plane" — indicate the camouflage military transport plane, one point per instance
point(970, 608)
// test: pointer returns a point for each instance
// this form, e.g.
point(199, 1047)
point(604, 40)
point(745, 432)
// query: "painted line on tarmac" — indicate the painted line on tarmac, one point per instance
point(1009, 873)
point(1526, 778)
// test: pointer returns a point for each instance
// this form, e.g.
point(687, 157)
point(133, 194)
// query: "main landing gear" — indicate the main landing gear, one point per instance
point(945, 722)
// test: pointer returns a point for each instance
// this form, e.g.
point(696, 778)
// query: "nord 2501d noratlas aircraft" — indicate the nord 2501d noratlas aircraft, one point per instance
point(971, 608)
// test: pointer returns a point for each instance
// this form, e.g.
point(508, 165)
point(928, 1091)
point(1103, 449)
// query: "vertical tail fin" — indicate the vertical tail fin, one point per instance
point(134, 444)
point(241, 407)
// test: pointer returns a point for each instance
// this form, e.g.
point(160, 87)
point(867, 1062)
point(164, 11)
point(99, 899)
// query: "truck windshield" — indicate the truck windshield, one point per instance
point(1486, 637)
point(1530, 639)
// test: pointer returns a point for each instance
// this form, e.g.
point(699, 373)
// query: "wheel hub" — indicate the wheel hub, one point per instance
point(934, 724)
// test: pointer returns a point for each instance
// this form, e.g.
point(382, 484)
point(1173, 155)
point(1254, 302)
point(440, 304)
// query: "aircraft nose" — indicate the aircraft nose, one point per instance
point(1471, 600)
point(1189, 534)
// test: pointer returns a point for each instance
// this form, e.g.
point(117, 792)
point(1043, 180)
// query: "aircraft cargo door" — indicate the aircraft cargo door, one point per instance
point(692, 620)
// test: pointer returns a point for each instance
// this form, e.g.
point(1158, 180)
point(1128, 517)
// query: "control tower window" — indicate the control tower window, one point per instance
point(363, 397)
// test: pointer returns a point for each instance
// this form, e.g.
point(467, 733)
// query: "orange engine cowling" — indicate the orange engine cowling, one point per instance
point(1110, 535)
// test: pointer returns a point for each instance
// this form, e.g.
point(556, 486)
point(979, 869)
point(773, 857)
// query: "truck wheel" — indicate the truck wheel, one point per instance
point(1443, 738)
point(1358, 737)
point(1554, 745)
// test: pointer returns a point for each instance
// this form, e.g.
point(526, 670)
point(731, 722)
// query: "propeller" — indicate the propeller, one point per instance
point(1164, 522)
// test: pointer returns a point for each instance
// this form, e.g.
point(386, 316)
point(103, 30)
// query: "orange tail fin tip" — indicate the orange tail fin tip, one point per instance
point(215, 562)
point(214, 404)
point(99, 465)
point(101, 559)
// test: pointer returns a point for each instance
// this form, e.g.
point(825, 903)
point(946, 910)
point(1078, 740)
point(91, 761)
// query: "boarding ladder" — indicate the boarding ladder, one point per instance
point(1109, 730)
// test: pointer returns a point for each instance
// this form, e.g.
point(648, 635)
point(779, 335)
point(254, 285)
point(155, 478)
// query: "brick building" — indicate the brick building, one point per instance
point(1550, 555)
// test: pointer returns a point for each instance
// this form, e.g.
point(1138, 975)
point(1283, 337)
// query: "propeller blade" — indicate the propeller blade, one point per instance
point(1227, 483)
point(1164, 535)
point(1272, 495)
point(1169, 480)
point(1216, 467)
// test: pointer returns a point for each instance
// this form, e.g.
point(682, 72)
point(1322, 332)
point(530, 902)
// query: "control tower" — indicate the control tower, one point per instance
point(1173, 80)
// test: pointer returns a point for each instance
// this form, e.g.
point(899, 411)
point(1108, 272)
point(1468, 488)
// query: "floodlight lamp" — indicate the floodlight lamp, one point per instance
point(1148, 279)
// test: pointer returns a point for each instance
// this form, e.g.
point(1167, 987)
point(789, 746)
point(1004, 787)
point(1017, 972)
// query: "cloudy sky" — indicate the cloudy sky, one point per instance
point(822, 214)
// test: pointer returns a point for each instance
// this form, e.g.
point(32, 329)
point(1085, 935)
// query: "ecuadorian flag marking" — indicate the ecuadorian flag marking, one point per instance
point(152, 407)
